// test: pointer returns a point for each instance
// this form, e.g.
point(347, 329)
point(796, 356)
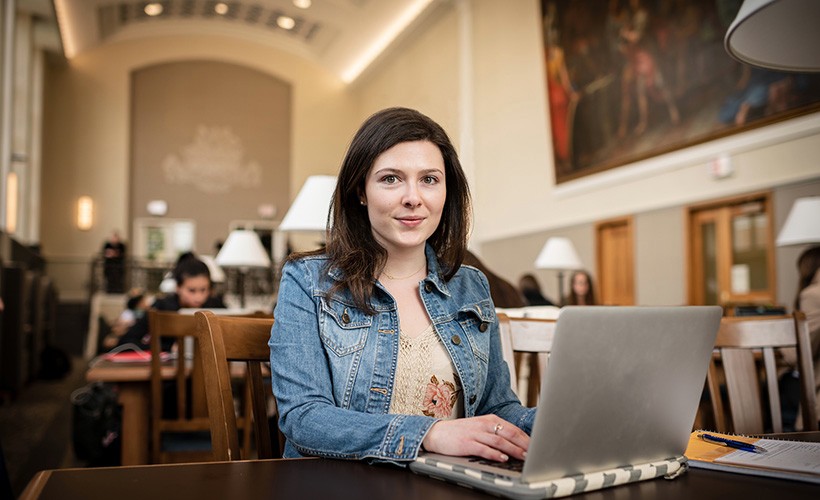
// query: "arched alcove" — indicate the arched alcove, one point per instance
point(212, 140)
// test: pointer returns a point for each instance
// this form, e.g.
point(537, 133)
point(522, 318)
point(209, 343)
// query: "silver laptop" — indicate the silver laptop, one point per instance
point(622, 388)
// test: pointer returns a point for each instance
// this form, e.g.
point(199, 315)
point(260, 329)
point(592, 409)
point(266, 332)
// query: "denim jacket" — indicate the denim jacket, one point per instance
point(333, 366)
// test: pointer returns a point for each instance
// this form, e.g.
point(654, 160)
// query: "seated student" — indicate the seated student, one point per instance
point(503, 293)
point(135, 308)
point(581, 291)
point(531, 290)
point(168, 283)
point(193, 289)
point(383, 342)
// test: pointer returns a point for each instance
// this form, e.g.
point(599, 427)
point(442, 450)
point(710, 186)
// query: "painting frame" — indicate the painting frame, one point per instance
point(642, 78)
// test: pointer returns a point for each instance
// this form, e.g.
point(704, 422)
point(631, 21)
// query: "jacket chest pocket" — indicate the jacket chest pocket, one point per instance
point(344, 328)
point(476, 321)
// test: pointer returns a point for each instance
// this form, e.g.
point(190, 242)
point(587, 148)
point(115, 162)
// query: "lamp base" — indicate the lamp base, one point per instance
point(561, 299)
point(240, 285)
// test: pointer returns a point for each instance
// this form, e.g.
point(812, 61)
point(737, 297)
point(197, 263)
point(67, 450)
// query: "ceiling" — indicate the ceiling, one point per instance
point(343, 36)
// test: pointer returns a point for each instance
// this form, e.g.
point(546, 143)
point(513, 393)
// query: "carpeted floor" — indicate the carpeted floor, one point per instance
point(35, 428)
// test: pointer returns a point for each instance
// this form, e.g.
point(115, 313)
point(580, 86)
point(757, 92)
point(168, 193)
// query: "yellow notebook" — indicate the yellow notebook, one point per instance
point(797, 460)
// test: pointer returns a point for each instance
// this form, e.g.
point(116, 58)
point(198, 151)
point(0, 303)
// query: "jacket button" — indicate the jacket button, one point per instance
point(345, 318)
point(428, 287)
point(456, 339)
point(472, 399)
point(482, 327)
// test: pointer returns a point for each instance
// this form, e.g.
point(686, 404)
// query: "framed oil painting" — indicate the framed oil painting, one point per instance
point(632, 79)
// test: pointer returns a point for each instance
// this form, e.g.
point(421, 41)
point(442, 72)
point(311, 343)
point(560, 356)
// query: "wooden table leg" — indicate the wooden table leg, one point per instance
point(134, 439)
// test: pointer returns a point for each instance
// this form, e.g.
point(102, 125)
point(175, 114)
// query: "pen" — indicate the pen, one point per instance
point(740, 445)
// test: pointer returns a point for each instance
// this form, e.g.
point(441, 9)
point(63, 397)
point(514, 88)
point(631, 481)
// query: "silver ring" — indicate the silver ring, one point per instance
point(498, 428)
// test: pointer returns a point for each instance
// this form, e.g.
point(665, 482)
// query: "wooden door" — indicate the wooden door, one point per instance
point(731, 252)
point(615, 259)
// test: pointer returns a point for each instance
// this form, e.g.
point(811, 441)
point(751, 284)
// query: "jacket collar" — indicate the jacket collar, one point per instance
point(434, 274)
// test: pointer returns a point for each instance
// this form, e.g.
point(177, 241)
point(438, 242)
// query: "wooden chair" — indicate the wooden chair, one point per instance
point(741, 342)
point(524, 340)
point(191, 420)
point(223, 340)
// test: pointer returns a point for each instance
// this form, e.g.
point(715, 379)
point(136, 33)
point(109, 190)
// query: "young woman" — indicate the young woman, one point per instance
point(383, 343)
point(581, 292)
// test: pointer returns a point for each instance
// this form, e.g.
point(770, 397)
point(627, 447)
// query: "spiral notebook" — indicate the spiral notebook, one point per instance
point(617, 404)
point(784, 459)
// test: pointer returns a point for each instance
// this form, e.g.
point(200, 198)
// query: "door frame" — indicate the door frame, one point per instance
point(694, 280)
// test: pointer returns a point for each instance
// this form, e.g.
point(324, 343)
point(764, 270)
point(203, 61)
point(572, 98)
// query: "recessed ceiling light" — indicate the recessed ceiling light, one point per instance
point(303, 4)
point(285, 22)
point(221, 8)
point(153, 9)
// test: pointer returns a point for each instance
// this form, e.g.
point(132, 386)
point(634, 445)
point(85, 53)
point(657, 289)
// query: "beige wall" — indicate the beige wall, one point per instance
point(214, 140)
point(421, 73)
point(660, 257)
point(87, 124)
point(513, 160)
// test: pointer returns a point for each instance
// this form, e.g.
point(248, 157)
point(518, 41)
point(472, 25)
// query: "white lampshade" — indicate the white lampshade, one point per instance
point(558, 253)
point(242, 249)
point(803, 223)
point(217, 274)
point(310, 209)
point(776, 34)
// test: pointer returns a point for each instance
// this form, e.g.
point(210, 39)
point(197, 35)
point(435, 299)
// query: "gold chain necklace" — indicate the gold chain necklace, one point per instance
point(394, 278)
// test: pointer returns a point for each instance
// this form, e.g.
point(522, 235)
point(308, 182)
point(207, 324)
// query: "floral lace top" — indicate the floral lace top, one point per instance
point(426, 380)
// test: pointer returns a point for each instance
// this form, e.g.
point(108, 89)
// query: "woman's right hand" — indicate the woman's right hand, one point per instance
point(487, 436)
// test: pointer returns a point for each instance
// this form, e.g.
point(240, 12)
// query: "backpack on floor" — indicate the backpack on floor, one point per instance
point(97, 419)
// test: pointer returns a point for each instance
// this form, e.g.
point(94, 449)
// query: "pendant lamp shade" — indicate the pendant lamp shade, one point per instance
point(776, 34)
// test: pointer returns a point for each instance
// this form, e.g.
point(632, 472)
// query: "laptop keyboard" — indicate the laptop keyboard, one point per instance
point(512, 464)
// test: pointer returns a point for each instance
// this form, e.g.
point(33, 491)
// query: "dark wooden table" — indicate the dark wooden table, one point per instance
point(321, 478)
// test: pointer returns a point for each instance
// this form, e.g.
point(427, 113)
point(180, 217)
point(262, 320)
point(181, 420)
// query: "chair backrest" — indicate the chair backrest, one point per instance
point(225, 340)
point(742, 343)
point(189, 411)
point(526, 344)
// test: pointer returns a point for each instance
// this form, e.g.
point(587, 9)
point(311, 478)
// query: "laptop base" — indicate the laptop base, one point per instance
point(555, 488)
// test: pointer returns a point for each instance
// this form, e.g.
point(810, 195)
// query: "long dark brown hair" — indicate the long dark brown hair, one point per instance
point(350, 244)
point(573, 299)
point(807, 265)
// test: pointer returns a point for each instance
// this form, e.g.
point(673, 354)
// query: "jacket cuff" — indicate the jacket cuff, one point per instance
point(404, 436)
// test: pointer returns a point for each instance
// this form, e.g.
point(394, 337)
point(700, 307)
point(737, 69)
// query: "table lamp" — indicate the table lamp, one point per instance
point(802, 225)
point(559, 254)
point(310, 210)
point(309, 214)
point(242, 250)
point(776, 34)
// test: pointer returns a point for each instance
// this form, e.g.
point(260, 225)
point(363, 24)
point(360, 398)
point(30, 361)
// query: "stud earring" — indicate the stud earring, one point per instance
point(362, 202)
